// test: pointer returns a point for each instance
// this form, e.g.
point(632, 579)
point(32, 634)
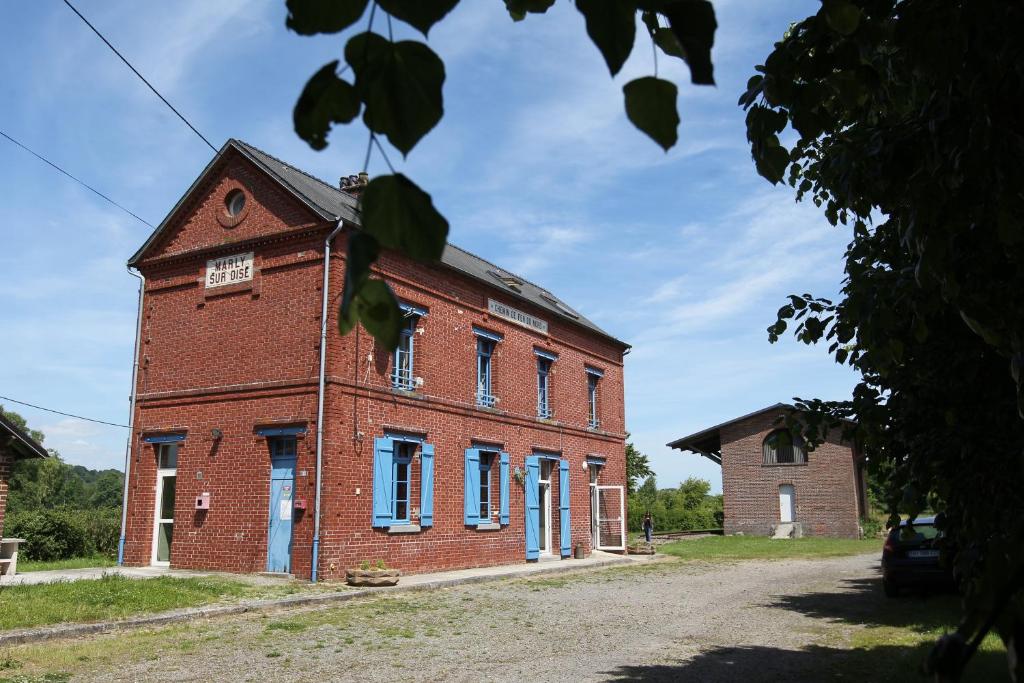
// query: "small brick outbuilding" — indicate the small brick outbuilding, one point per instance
point(15, 444)
point(769, 478)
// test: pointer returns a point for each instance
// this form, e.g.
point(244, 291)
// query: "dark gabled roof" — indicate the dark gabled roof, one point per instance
point(23, 445)
point(333, 204)
point(708, 443)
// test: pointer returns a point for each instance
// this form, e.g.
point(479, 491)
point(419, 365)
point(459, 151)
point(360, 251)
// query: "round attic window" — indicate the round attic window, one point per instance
point(234, 202)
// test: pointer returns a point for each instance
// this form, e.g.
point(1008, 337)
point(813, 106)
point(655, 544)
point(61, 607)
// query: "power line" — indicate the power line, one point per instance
point(143, 78)
point(51, 410)
point(83, 184)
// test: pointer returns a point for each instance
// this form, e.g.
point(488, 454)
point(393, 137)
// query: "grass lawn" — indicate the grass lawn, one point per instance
point(73, 563)
point(112, 597)
point(718, 548)
point(893, 645)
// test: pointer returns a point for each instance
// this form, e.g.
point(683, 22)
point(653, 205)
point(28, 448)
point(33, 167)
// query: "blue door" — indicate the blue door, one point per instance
point(532, 507)
point(282, 495)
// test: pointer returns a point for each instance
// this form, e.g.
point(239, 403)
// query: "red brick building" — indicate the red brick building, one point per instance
point(770, 479)
point(493, 434)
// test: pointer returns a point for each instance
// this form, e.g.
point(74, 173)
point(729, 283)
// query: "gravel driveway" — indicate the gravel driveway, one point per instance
point(664, 621)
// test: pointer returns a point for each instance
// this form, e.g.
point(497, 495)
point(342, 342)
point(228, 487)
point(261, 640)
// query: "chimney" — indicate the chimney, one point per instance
point(354, 184)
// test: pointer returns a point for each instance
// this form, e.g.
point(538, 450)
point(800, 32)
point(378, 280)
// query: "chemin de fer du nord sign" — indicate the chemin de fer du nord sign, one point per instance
point(229, 270)
point(515, 315)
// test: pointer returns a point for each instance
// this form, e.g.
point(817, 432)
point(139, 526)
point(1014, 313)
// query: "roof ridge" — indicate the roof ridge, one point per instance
point(339, 191)
point(294, 168)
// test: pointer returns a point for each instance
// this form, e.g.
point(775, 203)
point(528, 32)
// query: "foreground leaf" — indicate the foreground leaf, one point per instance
point(693, 23)
point(379, 312)
point(308, 17)
point(420, 14)
point(611, 25)
point(651, 106)
point(401, 216)
point(325, 100)
point(518, 9)
point(400, 84)
point(362, 252)
point(842, 16)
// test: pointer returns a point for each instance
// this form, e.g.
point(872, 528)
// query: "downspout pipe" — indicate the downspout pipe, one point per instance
point(320, 399)
point(131, 418)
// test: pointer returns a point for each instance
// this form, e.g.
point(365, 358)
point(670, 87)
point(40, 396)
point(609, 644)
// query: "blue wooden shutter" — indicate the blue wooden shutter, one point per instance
point(532, 507)
point(565, 530)
point(427, 484)
point(383, 458)
point(472, 496)
point(503, 483)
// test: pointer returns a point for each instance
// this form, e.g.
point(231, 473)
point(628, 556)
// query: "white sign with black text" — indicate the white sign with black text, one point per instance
point(229, 270)
point(515, 315)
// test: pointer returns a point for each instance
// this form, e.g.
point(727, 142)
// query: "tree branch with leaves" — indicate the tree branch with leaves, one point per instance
point(398, 86)
point(905, 124)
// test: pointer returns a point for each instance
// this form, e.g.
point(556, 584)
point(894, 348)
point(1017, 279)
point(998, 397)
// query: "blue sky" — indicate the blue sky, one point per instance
point(685, 255)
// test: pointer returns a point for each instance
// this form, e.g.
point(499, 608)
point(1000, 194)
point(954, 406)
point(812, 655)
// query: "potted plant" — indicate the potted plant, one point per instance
point(372, 575)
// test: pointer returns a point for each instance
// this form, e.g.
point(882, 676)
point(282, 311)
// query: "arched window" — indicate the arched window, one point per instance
point(781, 448)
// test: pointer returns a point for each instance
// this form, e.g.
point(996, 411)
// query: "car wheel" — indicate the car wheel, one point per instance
point(890, 589)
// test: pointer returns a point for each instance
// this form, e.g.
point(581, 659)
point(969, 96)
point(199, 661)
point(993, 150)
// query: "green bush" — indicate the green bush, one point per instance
point(63, 533)
point(872, 527)
point(688, 507)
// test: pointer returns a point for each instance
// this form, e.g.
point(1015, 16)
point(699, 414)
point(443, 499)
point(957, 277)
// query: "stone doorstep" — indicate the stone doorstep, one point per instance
point(480, 575)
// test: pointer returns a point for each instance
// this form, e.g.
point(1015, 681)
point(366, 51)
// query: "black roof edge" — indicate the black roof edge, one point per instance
point(682, 444)
point(29, 447)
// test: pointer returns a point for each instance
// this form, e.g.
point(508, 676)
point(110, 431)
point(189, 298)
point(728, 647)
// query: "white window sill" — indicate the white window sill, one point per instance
point(490, 526)
point(404, 529)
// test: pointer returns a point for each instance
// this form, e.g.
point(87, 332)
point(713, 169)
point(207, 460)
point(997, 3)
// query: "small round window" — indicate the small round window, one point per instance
point(235, 203)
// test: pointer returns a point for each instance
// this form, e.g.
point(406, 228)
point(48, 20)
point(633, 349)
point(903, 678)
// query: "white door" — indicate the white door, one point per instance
point(611, 520)
point(595, 528)
point(544, 496)
point(163, 514)
point(786, 502)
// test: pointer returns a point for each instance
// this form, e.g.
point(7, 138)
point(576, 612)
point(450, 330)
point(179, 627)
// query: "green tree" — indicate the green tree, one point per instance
point(43, 484)
point(21, 424)
point(905, 119)
point(398, 88)
point(693, 492)
point(637, 467)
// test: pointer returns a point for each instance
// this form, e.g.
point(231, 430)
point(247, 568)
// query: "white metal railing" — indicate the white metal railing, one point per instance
point(403, 379)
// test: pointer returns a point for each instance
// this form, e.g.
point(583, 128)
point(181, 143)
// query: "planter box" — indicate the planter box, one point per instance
point(372, 577)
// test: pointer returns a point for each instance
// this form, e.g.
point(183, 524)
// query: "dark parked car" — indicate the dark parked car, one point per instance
point(910, 558)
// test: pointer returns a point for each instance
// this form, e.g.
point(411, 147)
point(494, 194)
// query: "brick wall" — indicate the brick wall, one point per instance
point(6, 463)
point(247, 355)
point(825, 489)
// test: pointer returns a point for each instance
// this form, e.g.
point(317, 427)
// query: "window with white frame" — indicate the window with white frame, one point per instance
point(403, 482)
point(485, 345)
point(402, 374)
point(544, 361)
point(593, 378)
point(782, 448)
point(485, 486)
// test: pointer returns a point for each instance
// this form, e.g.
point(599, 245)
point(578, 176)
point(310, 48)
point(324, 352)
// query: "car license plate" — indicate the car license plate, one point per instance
point(923, 553)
